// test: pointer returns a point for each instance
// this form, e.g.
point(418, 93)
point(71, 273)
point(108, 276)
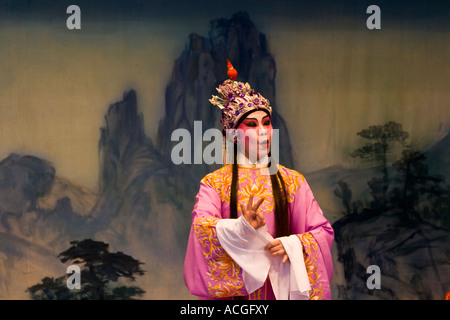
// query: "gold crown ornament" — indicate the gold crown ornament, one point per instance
point(237, 99)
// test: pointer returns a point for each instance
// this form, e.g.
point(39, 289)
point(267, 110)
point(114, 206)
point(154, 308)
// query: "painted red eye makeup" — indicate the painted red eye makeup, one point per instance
point(266, 121)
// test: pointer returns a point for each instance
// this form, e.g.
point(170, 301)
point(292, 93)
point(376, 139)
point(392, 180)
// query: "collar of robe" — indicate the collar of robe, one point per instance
point(244, 162)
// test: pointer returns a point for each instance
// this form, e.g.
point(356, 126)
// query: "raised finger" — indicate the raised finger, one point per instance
point(244, 212)
point(250, 202)
point(258, 203)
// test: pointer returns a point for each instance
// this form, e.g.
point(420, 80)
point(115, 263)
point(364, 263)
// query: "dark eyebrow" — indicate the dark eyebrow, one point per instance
point(255, 118)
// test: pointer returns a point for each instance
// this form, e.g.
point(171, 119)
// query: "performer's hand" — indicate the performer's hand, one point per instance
point(276, 248)
point(251, 213)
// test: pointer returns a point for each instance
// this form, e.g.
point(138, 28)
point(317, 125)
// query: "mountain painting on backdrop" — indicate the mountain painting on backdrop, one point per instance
point(389, 204)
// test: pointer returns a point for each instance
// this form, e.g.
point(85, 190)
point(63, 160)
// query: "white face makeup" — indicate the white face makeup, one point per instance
point(255, 132)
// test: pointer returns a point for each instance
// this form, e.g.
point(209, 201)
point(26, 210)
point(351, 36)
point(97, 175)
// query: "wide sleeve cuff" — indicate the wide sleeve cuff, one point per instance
point(245, 245)
point(299, 286)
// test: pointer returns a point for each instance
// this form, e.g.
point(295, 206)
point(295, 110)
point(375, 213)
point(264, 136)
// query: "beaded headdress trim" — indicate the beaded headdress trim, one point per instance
point(236, 99)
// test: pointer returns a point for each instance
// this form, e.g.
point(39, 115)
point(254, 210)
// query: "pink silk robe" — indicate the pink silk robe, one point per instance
point(210, 273)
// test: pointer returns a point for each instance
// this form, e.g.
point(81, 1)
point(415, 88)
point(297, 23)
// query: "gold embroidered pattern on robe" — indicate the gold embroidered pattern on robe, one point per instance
point(223, 271)
point(310, 252)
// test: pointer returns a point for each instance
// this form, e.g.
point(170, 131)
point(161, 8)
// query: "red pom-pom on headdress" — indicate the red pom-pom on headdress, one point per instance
point(236, 99)
point(232, 72)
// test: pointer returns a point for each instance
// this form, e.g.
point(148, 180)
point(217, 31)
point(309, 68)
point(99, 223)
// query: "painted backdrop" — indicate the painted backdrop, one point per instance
point(86, 117)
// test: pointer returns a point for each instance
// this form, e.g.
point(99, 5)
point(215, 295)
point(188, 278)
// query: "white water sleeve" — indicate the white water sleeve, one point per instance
point(245, 245)
point(299, 286)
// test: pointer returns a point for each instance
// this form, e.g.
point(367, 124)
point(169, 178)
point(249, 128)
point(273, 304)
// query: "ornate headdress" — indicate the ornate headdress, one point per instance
point(237, 99)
